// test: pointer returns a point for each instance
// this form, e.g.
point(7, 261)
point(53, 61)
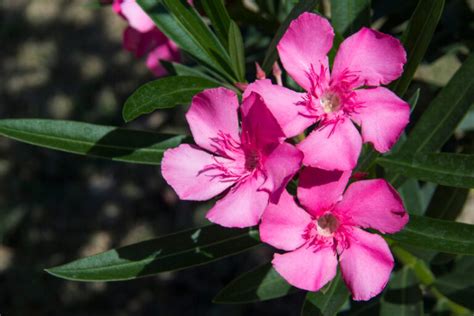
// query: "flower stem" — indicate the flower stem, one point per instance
point(427, 278)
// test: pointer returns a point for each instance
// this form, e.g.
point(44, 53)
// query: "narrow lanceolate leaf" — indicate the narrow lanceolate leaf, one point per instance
point(443, 115)
point(348, 16)
point(164, 93)
point(181, 23)
point(327, 301)
point(458, 284)
point(220, 19)
point(447, 202)
point(236, 51)
point(171, 252)
point(260, 284)
point(416, 39)
point(109, 142)
point(455, 170)
point(439, 235)
point(403, 295)
point(298, 9)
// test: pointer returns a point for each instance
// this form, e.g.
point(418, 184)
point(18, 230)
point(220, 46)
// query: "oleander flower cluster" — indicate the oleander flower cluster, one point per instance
point(245, 155)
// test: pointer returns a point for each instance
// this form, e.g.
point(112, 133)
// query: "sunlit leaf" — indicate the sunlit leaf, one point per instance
point(109, 142)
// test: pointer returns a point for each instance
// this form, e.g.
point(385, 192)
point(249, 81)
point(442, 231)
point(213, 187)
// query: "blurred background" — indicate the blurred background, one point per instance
point(63, 59)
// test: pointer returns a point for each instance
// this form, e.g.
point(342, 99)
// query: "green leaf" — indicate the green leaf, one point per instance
point(442, 117)
point(298, 9)
point(260, 284)
point(458, 284)
point(220, 19)
point(416, 39)
point(181, 23)
point(348, 16)
point(236, 51)
point(327, 301)
point(164, 93)
point(436, 234)
point(410, 192)
point(109, 142)
point(403, 296)
point(171, 252)
point(447, 202)
point(455, 170)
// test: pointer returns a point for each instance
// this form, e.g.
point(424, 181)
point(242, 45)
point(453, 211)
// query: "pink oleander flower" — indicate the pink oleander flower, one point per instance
point(328, 228)
point(252, 166)
point(351, 92)
point(142, 37)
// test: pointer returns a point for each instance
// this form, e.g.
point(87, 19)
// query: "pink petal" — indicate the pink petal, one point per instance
point(283, 224)
point(182, 169)
point(280, 167)
point(283, 103)
point(117, 6)
point(319, 190)
point(382, 116)
point(332, 147)
point(213, 111)
point(373, 204)
point(136, 17)
point(166, 51)
point(242, 206)
point(366, 265)
point(304, 45)
point(306, 268)
point(259, 126)
point(376, 58)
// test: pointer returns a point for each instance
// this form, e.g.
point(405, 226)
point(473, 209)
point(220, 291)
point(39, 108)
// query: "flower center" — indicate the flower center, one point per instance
point(327, 225)
point(331, 102)
point(252, 159)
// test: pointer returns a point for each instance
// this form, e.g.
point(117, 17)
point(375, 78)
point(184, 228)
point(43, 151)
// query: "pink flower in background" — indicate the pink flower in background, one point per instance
point(329, 228)
point(349, 93)
point(142, 37)
point(254, 165)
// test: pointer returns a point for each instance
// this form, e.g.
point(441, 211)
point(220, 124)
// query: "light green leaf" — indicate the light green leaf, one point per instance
point(164, 93)
point(171, 252)
point(109, 142)
point(260, 284)
point(455, 170)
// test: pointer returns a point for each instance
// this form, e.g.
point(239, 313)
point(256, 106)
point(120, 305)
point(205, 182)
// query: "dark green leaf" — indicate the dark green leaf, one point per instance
point(442, 117)
point(177, 69)
point(348, 16)
point(220, 19)
point(436, 234)
point(298, 9)
point(447, 202)
point(416, 39)
point(236, 51)
point(403, 296)
point(93, 140)
point(410, 192)
point(458, 284)
point(171, 252)
point(327, 301)
point(164, 93)
point(455, 170)
point(260, 284)
point(181, 23)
